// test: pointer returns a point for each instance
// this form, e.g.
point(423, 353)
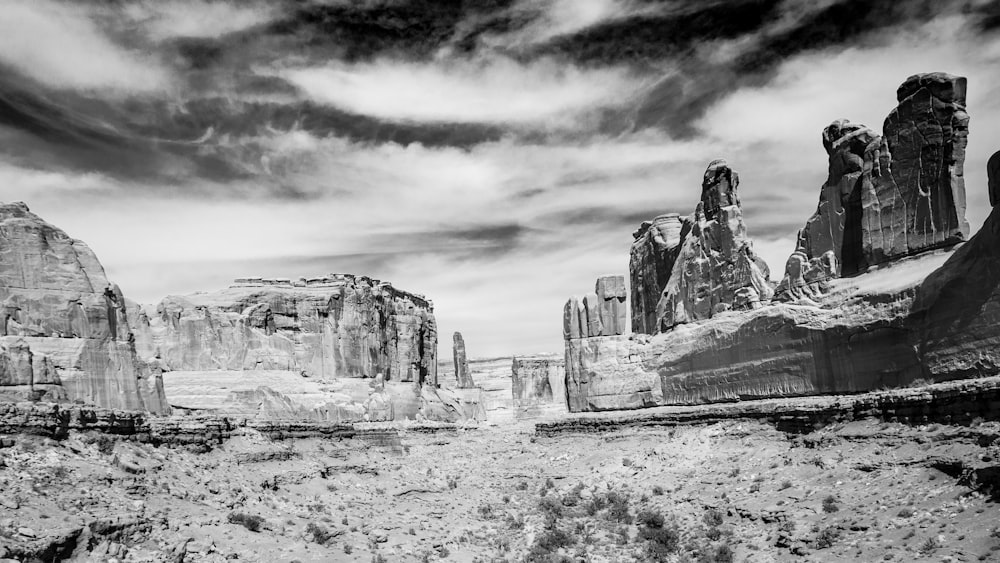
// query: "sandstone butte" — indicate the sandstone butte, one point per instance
point(883, 289)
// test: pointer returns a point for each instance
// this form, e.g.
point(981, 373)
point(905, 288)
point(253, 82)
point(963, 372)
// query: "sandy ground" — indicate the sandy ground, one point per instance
point(730, 491)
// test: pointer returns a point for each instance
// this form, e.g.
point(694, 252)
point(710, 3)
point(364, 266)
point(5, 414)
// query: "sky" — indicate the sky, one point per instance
point(494, 155)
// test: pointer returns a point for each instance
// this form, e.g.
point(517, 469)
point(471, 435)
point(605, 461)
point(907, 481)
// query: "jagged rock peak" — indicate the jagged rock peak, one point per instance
point(462, 373)
point(887, 196)
point(651, 259)
point(718, 188)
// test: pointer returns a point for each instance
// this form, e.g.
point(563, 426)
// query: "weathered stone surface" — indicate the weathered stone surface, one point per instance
point(887, 196)
point(462, 373)
point(605, 373)
point(933, 316)
point(611, 296)
point(539, 387)
point(654, 251)
point(716, 260)
point(918, 202)
point(333, 327)
point(64, 332)
point(993, 173)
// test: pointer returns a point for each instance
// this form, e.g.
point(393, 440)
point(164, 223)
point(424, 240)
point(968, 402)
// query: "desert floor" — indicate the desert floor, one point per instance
point(729, 491)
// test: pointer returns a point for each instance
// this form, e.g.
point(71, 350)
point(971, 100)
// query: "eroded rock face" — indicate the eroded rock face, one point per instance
point(716, 269)
point(462, 373)
point(887, 196)
point(655, 248)
point(601, 313)
point(993, 173)
point(64, 332)
point(339, 326)
point(539, 387)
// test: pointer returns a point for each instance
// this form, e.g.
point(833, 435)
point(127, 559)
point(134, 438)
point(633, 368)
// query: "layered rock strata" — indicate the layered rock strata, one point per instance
point(929, 316)
point(716, 269)
point(887, 196)
point(329, 327)
point(539, 387)
point(64, 333)
point(462, 374)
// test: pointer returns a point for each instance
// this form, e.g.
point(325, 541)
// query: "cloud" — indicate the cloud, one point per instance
point(495, 90)
point(169, 19)
point(58, 45)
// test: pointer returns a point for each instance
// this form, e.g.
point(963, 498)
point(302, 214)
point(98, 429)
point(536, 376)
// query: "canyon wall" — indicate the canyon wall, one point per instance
point(329, 327)
point(65, 334)
point(865, 307)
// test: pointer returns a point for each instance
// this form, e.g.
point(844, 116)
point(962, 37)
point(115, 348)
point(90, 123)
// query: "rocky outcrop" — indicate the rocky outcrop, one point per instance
point(993, 174)
point(462, 374)
point(716, 269)
point(887, 196)
point(539, 387)
point(338, 326)
point(601, 313)
point(64, 333)
point(852, 328)
point(655, 247)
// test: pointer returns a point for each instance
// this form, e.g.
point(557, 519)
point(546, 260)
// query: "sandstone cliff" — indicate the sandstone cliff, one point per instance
point(64, 333)
point(887, 196)
point(331, 327)
point(539, 387)
point(899, 316)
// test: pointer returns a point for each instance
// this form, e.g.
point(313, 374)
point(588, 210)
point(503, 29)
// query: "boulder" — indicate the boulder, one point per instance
point(64, 331)
point(462, 374)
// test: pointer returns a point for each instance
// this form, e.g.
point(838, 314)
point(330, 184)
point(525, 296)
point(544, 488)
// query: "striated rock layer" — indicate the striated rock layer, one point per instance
point(65, 334)
point(887, 196)
point(331, 327)
point(910, 308)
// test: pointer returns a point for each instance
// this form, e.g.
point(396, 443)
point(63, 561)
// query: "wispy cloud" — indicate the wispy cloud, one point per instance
point(169, 19)
point(58, 45)
point(489, 90)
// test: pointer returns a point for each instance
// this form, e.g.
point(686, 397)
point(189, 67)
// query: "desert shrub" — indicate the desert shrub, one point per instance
point(713, 517)
point(548, 542)
point(551, 506)
point(650, 518)
point(722, 554)
point(348, 549)
point(104, 444)
point(906, 512)
point(597, 503)
point(618, 507)
point(515, 523)
point(830, 504)
point(572, 498)
point(661, 543)
point(486, 511)
point(251, 522)
point(827, 537)
point(318, 533)
point(787, 526)
point(657, 490)
point(452, 482)
point(734, 472)
point(522, 486)
point(929, 545)
point(786, 484)
point(379, 558)
point(506, 499)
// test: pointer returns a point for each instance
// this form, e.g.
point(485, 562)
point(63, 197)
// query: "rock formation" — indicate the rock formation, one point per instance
point(715, 269)
point(539, 387)
point(601, 313)
point(928, 316)
point(887, 196)
point(462, 374)
point(330, 327)
point(993, 173)
point(655, 248)
point(64, 333)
